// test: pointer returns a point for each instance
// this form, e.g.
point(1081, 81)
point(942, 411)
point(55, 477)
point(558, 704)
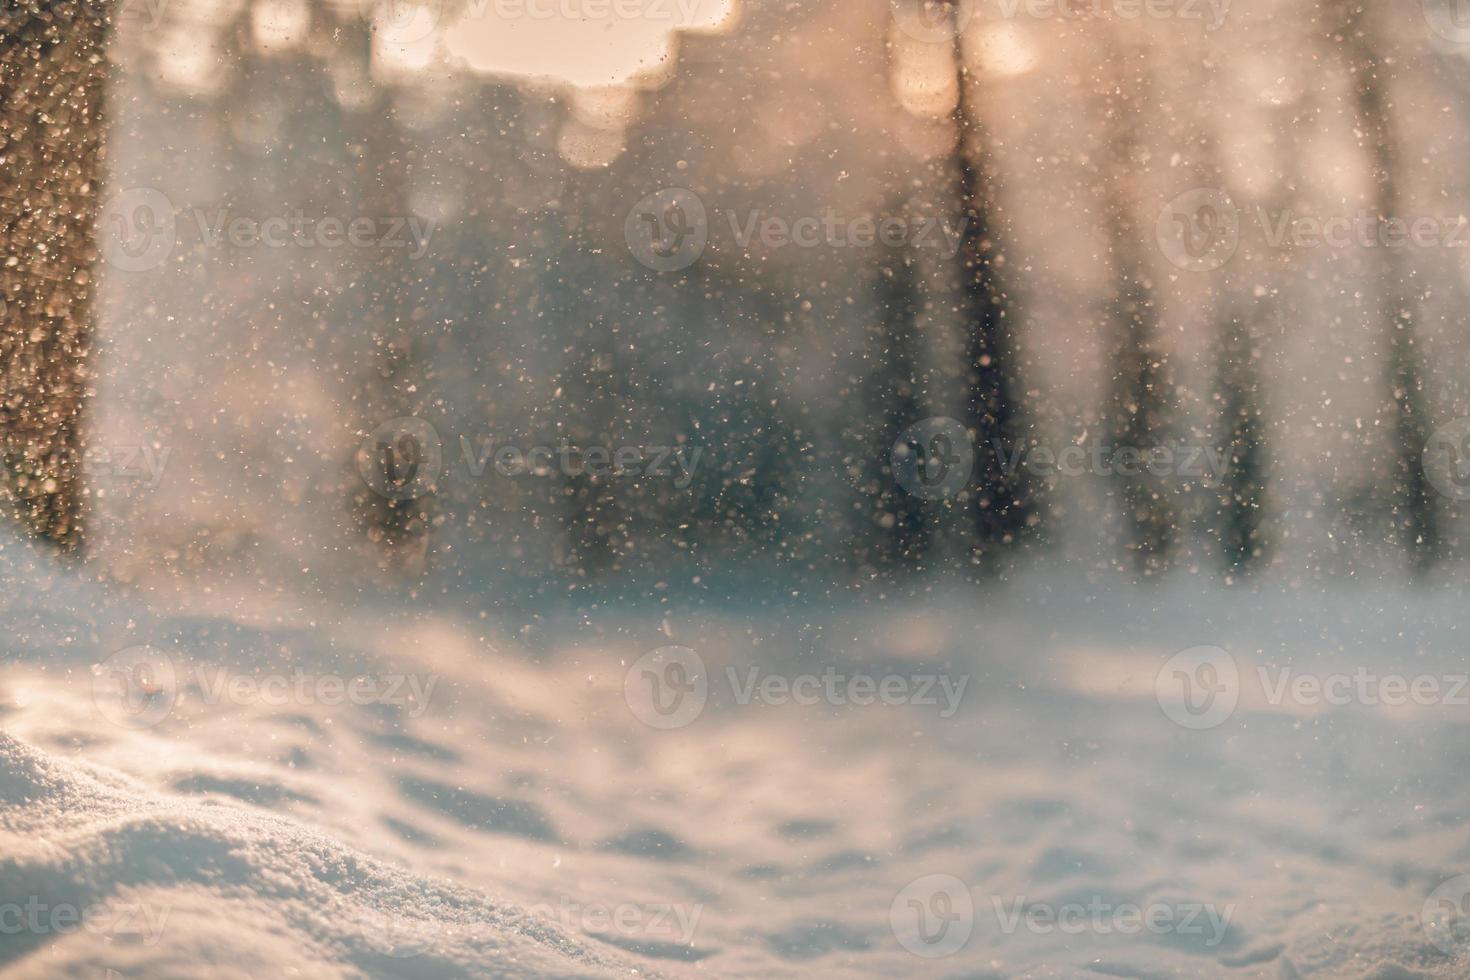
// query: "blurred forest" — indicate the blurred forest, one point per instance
point(1059, 141)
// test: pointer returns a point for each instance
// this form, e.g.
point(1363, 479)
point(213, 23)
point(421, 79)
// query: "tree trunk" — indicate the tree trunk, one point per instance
point(1241, 489)
point(385, 355)
point(1002, 503)
point(52, 81)
point(1141, 402)
point(1414, 508)
point(895, 522)
point(594, 528)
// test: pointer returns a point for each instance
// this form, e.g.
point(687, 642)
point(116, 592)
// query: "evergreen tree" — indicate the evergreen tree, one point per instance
point(1140, 402)
point(896, 527)
point(385, 360)
point(1242, 487)
point(1002, 502)
point(1416, 517)
point(590, 408)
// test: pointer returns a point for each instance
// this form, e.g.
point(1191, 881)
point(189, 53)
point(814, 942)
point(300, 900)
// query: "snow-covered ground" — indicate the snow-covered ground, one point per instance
point(509, 801)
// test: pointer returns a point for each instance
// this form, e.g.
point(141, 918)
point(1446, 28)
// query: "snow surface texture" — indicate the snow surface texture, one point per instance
point(524, 823)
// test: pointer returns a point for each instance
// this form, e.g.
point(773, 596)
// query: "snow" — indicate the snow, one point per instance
point(527, 823)
point(738, 721)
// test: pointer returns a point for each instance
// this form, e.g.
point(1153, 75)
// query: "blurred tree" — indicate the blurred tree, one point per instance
point(579, 294)
point(384, 357)
point(743, 493)
point(1141, 405)
point(1002, 501)
point(1245, 311)
point(895, 531)
point(52, 72)
point(1414, 506)
point(1241, 489)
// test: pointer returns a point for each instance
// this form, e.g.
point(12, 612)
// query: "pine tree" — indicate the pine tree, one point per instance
point(1415, 510)
point(897, 530)
point(1242, 487)
point(386, 365)
point(1003, 507)
point(590, 510)
point(1140, 403)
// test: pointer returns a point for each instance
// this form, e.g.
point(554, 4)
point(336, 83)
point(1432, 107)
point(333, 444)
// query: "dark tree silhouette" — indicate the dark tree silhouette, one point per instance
point(589, 417)
point(1242, 487)
point(896, 523)
point(1140, 403)
point(52, 70)
point(1003, 506)
point(1414, 507)
point(1244, 315)
point(385, 360)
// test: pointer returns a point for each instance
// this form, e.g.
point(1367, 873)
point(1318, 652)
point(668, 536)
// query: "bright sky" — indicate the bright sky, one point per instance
point(588, 43)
